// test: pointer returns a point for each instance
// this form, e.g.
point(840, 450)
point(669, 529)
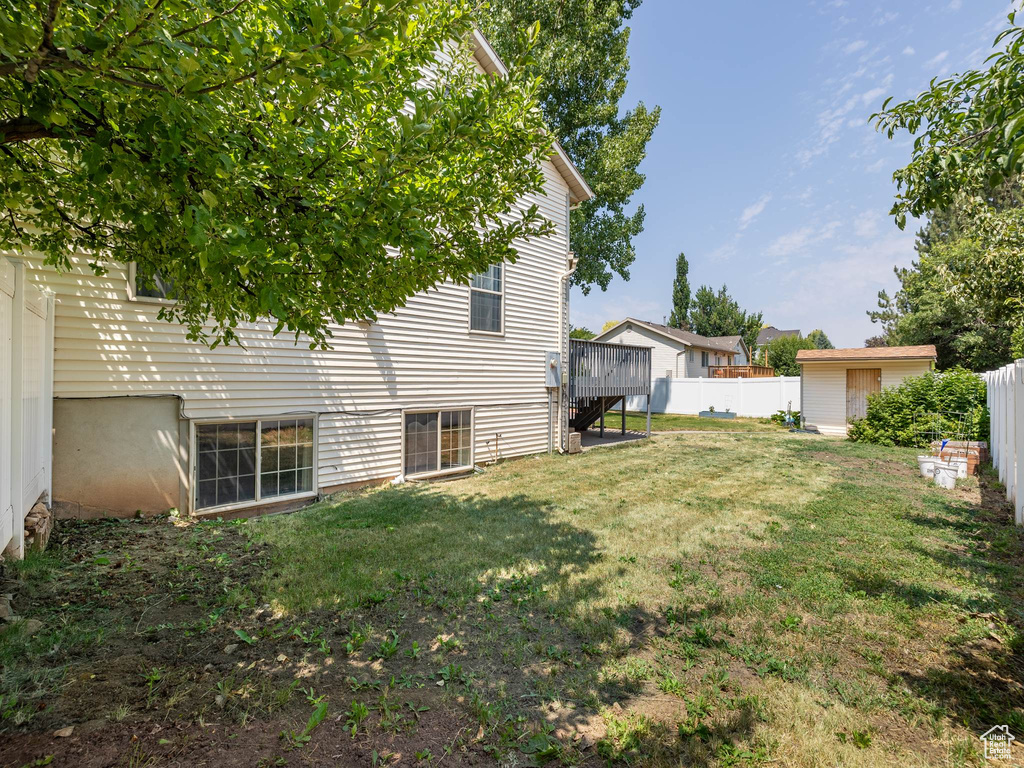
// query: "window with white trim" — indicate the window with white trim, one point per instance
point(704, 359)
point(486, 300)
point(438, 441)
point(241, 462)
point(149, 287)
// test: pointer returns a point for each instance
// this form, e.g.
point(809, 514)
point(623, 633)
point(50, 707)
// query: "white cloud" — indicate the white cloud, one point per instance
point(856, 45)
point(937, 59)
point(876, 166)
point(751, 212)
point(866, 225)
point(909, 51)
point(799, 240)
point(956, 5)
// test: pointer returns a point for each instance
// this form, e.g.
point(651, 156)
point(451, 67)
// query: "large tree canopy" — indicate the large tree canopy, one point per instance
point(718, 314)
point(287, 159)
point(582, 60)
point(968, 151)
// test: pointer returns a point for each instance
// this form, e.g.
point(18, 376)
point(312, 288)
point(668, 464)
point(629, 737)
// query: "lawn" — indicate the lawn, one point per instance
point(690, 600)
point(675, 422)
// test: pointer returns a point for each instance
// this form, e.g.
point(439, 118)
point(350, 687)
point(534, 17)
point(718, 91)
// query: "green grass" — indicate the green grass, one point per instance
point(695, 599)
point(673, 422)
point(822, 578)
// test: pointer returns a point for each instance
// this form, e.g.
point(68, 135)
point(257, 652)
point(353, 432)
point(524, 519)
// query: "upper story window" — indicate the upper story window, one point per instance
point(704, 359)
point(486, 300)
point(141, 286)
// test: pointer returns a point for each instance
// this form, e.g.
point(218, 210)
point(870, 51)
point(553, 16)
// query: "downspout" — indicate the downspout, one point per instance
point(563, 345)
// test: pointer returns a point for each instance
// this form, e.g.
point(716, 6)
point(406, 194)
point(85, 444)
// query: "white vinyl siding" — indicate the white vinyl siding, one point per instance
point(823, 389)
point(423, 355)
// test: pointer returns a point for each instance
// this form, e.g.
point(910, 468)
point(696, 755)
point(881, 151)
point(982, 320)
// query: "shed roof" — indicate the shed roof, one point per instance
point(920, 352)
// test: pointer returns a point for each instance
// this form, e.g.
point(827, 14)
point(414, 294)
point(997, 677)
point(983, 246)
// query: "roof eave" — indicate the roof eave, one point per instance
point(579, 190)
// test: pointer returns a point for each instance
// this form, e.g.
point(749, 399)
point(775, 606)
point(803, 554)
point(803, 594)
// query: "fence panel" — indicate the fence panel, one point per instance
point(1005, 398)
point(26, 401)
point(757, 397)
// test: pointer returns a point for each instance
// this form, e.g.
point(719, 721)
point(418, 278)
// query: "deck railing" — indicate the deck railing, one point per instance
point(740, 371)
point(600, 369)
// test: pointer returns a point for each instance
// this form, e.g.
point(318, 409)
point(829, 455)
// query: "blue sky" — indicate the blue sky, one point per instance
point(764, 169)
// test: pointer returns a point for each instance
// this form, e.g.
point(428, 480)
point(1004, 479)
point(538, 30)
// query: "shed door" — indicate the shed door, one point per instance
point(861, 382)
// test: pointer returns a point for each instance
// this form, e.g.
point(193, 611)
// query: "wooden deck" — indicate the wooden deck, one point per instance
point(740, 372)
point(602, 375)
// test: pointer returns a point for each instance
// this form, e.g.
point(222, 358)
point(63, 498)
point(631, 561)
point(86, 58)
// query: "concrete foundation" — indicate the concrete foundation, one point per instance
point(119, 456)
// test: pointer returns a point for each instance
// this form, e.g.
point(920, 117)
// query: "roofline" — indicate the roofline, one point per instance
point(579, 190)
point(660, 332)
point(855, 359)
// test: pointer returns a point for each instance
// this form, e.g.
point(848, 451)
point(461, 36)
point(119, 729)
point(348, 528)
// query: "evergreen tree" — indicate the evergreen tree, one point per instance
point(680, 317)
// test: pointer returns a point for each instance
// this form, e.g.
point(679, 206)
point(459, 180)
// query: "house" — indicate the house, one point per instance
point(769, 333)
point(736, 343)
point(144, 419)
point(675, 354)
point(835, 383)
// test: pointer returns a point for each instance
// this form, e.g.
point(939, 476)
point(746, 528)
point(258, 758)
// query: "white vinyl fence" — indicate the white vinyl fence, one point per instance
point(745, 397)
point(26, 401)
point(1006, 430)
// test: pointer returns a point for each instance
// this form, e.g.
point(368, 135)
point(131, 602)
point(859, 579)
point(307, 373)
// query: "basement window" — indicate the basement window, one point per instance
point(437, 442)
point(246, 462)
point(486, 300)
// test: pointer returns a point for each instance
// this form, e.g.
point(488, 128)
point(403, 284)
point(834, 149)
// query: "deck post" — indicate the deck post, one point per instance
point(623, 414)
point(648, 415)
point(602, 416)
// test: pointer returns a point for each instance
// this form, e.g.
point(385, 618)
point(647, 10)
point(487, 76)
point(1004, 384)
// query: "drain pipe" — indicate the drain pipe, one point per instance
point(563, 346)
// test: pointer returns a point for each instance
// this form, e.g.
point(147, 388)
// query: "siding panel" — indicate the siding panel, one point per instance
point(422, 355)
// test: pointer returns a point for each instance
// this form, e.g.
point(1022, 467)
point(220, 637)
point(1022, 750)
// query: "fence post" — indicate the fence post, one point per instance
point(997, 422)
point(47, 436)
point(739, 396)
point(17, 546)
point(1018, 439)
point(1007, 414)
point(700, 393)
point(1011, 441)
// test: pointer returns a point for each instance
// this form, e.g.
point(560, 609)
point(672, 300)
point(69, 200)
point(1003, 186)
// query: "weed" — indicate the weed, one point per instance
point(355, 716)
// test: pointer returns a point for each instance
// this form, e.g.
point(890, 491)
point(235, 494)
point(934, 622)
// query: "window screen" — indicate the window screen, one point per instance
point(286, 457)
point(485, 299)
point(155, 287)
point(226, 466)
point(438, 440)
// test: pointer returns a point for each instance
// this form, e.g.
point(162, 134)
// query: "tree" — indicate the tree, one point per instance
point(821, 341)
point(582, 60)
point(875, 342)
point(718, 314)
point(609, 324)
point(581, 333)
point(284, 160)
point(965, 332)
point(780, 354)
point(969, 147)
point(680, 295)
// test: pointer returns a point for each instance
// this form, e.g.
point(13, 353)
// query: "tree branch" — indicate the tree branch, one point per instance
point(48, 20)
point(23, 129)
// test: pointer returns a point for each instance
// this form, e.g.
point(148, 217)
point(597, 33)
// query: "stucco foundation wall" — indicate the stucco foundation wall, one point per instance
point(118, 455)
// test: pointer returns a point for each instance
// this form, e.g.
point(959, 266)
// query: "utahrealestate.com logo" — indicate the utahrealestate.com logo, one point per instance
point(998, 742)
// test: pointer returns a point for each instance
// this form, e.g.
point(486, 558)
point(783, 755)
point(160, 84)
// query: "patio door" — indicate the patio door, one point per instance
point(861, 382)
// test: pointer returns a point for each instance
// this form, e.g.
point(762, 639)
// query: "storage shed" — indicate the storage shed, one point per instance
point(835, 383)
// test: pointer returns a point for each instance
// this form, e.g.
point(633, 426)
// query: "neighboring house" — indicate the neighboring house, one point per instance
point(835, 383)
point(675, 354)
point(736, 343)
point(769, 333)
point(144, 419)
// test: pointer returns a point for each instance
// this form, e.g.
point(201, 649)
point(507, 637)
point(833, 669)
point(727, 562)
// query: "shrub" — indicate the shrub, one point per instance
point(933, 399)
point(780, 417)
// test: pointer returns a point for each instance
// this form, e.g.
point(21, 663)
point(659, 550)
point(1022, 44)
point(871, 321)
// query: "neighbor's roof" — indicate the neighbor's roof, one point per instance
point(921, 352)
point(579, 190)
point(732, 341)
point(691, 339)
point(771, 332)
